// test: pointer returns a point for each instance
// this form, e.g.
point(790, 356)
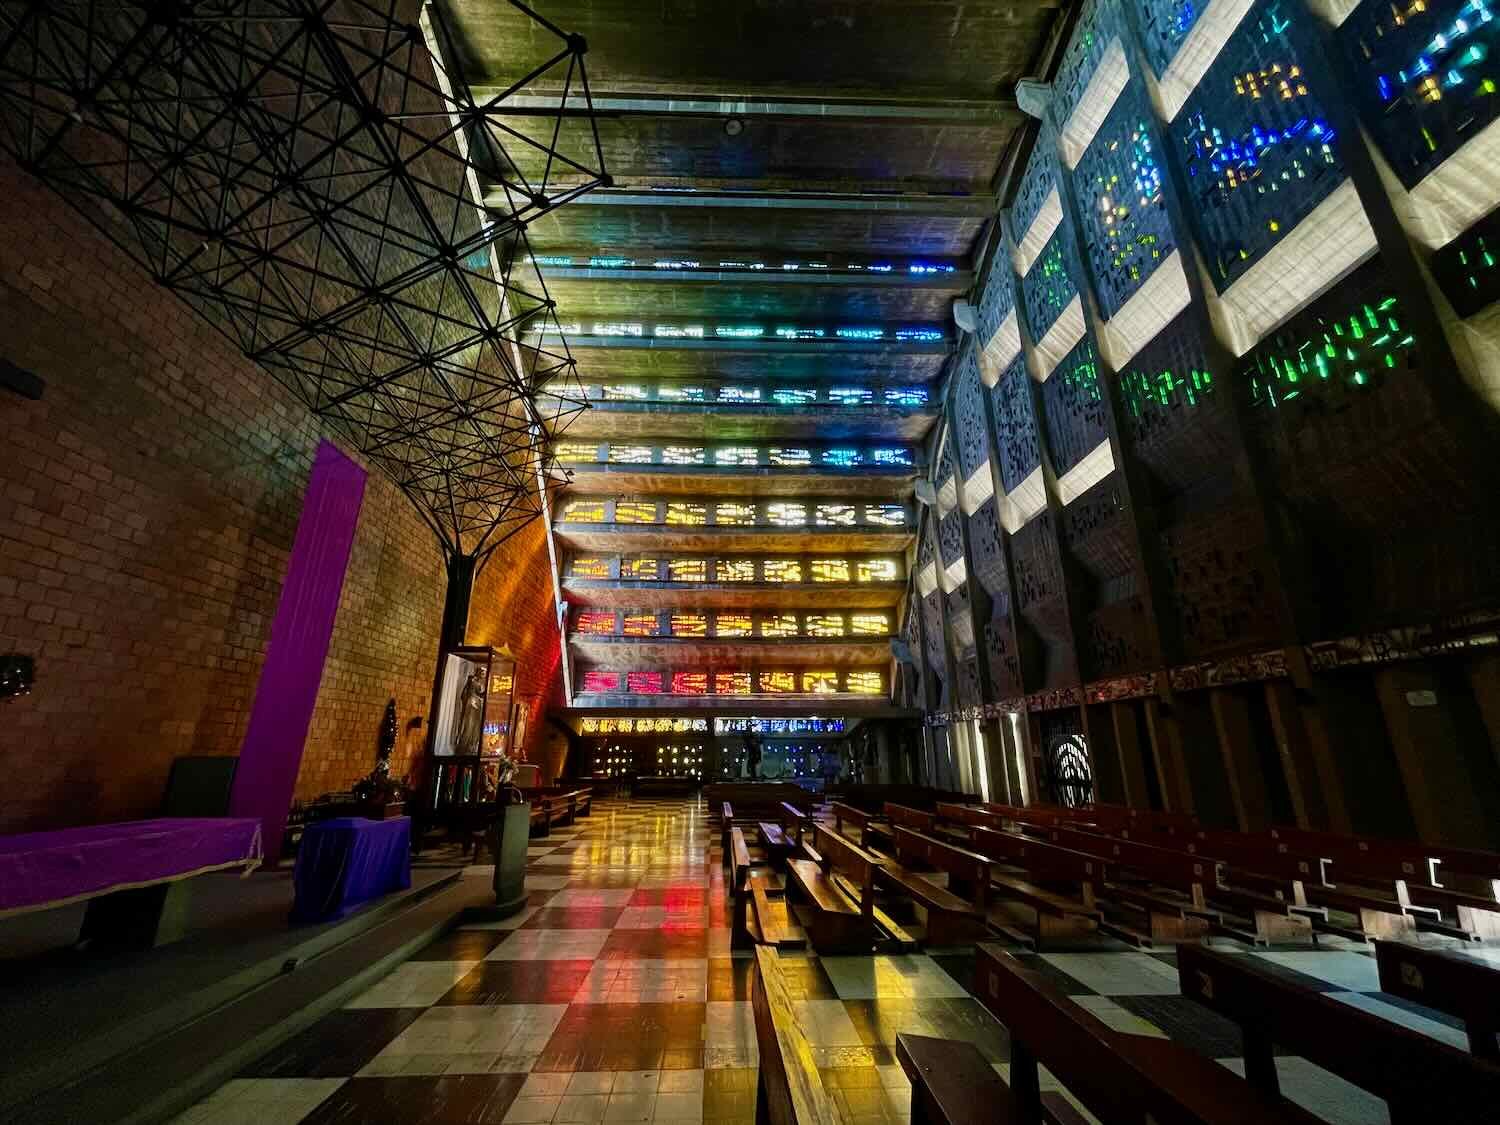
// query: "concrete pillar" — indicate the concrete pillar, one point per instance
point(1131, 755)
point(1171, 766)
point(1247, 785)
point(1311, 776)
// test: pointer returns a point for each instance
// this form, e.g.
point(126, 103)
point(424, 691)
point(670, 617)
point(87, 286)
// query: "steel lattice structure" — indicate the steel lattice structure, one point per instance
point(305, 174)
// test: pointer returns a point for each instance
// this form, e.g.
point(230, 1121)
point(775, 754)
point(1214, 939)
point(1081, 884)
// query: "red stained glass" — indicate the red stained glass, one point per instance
point(643, 683)
point(596, 623)
point(601, 681)
point(689, 683)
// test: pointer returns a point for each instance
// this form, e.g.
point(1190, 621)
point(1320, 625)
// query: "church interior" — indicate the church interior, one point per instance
point(433, 690)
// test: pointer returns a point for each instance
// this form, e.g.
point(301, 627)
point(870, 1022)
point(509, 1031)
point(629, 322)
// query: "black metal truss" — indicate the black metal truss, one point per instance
point(305, 174)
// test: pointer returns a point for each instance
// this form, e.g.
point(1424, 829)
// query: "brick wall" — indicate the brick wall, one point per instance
point(147, 507)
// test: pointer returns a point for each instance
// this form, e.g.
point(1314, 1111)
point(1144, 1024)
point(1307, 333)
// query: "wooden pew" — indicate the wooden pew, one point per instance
point(758, 917)
point(950, 918)
point(860, 819)
point(1461, 986)
point(788, 1088)
point(917, 820)
point(779, 846)
point(1121, 1079)
point(794, 819)
point(837, 884)
point(1421, 1079)
point(1058, 887)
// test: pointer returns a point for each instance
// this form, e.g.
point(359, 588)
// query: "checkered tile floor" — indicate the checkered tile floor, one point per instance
point(613, 997)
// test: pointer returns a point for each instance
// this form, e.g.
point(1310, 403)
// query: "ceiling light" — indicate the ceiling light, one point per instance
point(734, 126)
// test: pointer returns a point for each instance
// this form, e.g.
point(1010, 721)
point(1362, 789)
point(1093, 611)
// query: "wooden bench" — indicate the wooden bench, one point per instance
point(860, 819)
point(779, 846)
point(794, 820)
point(788, 1088)
point(758, 917)
point(1058, 888)
point(1449, 982)
point(1420, 1078)
point(836, 882)
point(1119, 1078)
point(950, 918)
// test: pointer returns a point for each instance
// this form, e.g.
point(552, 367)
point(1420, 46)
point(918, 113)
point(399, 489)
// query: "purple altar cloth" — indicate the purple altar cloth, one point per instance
point(345, 862)
point(39, 870)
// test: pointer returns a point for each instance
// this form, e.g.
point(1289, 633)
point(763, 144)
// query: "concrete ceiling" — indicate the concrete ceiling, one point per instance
point(858, 137)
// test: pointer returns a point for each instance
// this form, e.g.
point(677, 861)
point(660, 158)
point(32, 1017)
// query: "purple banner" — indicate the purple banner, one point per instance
point(289, 680)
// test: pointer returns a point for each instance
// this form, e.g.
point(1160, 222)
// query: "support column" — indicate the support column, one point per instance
point(1311, 777)
point(1171, 767)
point(461, 570)
point(1132, 761)
point(1247, 787)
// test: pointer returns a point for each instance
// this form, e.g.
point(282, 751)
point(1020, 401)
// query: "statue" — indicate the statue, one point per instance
point(470, 724)
point(379, 787)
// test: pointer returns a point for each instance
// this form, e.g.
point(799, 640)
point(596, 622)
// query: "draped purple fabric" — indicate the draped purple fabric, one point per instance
point(288, 688)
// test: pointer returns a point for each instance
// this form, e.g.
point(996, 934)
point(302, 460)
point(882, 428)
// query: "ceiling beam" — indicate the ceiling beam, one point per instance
point(927, 205)
point(939, 112)
point(958, 281)
point(577, 341)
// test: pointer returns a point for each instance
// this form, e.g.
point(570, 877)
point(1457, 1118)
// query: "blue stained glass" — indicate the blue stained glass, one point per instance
point(851, 396)
point(1255, 145)
point(906, 396)
point(842, 458)
point(928, 334)
point(1400, 49)
point(1164, 26)
point(1124, 227)
point(793, 396)
point(1095, 31)
point(860, 333)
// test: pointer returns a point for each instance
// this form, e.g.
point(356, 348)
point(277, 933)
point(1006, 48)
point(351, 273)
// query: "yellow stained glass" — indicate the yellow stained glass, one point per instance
point(689, 625)
point(686, 515)
point(731, 683)
point(786, 514)
point(876, 570)
point(640, 625)
point(778, 683)
point(829, 570)
point(779, 625)
point(736, 570)
point(825, 624)
point(576, 452)
point(630, 454)
point(589, 568)
point(584, 511)
point(635, 511)
point(640, 570)
point(783, 570)
point(864, 683)
point(688, 570)
point(732, 625)
point(869, 624)
point(734, 515)
point(595, 623)
point(820, 683)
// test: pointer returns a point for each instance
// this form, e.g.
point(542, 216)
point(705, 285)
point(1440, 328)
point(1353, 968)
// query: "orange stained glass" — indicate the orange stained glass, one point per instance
point(640, 625)
point(829, 570)
point(864, 683)
point(778, 683)
point(736, 570)
point(596, 623)
point(689, 625)
point(589, 568)
point(641, 570)
point(820, 683)
point(635, 511)
point(689, 683)
point(688, 570)
point(731, 683)
point(783, 570)
point(779, 625)
point(732, 625)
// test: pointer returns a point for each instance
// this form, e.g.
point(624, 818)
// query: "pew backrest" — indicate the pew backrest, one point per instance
point(1170, 867)
point(1450, 982)
point(915, 819)
point(791, 1089)
point(1043, 861)
point(960, 863)
point(849, 860)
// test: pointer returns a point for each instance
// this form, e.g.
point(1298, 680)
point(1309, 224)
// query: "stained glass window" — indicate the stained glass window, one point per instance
point(1256, 145)
point(734, 515)
point(876, 570)
point(1048, 286)
point(584, 511)
point(601, 681)
point(737, 455)
point(793, 396)
point(635, 511)
point(739, 394)
point(1074, 408)
point(633, 392)
point(595, 622)
point(851, 396)
point(906, 396)
point(689, 625)
point(576, 452)
point(829, 570)
point(684, 455)
point(735, 570)
point(589, 568)
point(820, 683)
point(670, 393)
point(835, 515)
point(778, 683)
point(731, 683)
point(732, 625)
point(864, 683)
point(1164, 26)
point(825, 625)
point(689, 683)
point(640, 625)
point(641, 570)
point(688, 570)
point(886, 515)
point(786, 514)
point(869, 624)
point(891, 456)
point(643, 683)
point(683, 514)
point(630, 454)
point(783, 570)
point(1468, 268)
point(790, 456)
point(779, 625)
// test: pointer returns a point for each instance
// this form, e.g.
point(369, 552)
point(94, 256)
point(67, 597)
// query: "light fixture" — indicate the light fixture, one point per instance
point(734, 127)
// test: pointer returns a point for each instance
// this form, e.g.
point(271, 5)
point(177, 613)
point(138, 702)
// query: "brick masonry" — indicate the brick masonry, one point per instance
point(147, 508)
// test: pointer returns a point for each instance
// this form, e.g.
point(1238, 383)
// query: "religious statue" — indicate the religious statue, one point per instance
point(379, 786)
point(470, 725)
